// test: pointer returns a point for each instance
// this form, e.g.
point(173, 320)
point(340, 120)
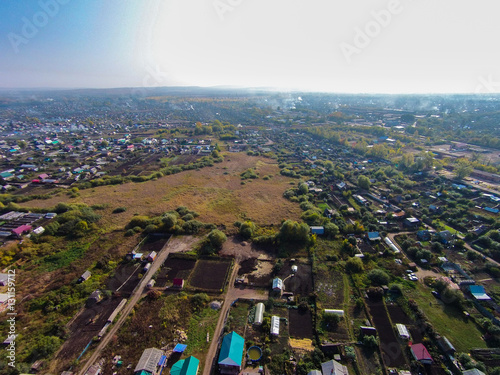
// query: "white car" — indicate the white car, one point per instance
point(413, 277)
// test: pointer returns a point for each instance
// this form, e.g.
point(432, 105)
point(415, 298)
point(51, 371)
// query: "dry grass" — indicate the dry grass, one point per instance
point(216, 193)
point(304, 345)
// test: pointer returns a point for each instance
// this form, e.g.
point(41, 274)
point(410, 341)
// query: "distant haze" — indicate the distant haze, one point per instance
point(395, 46)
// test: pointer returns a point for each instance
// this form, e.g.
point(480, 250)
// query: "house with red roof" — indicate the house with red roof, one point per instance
point(421, 354)
point(20, 230)
point(178, 283)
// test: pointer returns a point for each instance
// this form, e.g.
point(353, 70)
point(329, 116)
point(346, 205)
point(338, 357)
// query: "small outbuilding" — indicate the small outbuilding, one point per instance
point(277, 285)
point(368, 331)
point(402, 331)
point(151, 256)
point(446, 346)
point(148, 363)
point(178, 283)
point(85, 276)
point(319, 230)
point(333, 367)
point(94, 298)
point(94, 370)
point(473, 371)
point(411, 222)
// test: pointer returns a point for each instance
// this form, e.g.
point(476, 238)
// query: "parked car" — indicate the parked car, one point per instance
point(436, 294)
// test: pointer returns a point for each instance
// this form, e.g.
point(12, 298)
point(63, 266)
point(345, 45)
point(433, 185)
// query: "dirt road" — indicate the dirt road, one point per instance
point(233, 293)
point(173, 245)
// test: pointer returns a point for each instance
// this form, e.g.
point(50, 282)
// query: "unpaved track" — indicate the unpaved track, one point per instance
point(232, 294)
point(173, 245)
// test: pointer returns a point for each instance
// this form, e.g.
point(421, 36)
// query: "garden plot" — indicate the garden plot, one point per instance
point(180, 268)
point(398, 315)
point(210, 275)
point(85, 327)
point(389, 345)
point(300, 324)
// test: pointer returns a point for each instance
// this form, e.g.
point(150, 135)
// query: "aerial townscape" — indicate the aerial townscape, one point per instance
point(205, 231)
point(262, 187)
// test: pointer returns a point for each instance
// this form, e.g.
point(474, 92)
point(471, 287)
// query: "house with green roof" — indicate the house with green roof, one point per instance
point(231, 353)
point(188, 366)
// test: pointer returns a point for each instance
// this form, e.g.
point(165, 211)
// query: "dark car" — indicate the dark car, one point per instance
point(436, 294)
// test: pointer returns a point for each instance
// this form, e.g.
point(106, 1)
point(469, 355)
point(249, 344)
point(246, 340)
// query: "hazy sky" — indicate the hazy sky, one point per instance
point(397, 46)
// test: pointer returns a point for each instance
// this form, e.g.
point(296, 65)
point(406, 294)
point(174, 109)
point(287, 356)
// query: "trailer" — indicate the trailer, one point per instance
point(152, 256)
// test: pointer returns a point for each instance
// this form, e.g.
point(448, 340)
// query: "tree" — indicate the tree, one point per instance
point(331, 320)
point(169, 220)
point(463, 168)
point(312, 217)
point(370, 341)
point(217, 126)
point(378, 277)
point(82, 226)
point(45, 346)
point(247, 229)
point(303, 188)
point(216, 238)
point(354, 265)
point(291, 231)
point(331, 230)
point(407, 160)
point(364, 182)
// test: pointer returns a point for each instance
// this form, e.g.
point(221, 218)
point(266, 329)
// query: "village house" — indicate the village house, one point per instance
point(231, 354)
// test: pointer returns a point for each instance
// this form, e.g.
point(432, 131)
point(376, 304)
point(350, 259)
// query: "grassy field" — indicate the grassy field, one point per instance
point(216, 193)
point(353, 203)
point(447, 321)
point(323, 206)
point(200, 324)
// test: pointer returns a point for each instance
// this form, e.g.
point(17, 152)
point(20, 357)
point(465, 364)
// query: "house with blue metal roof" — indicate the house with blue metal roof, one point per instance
point(320, 230)
point(231, 353)
point(374, 236)
point(188, 366)
point(478, 292)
